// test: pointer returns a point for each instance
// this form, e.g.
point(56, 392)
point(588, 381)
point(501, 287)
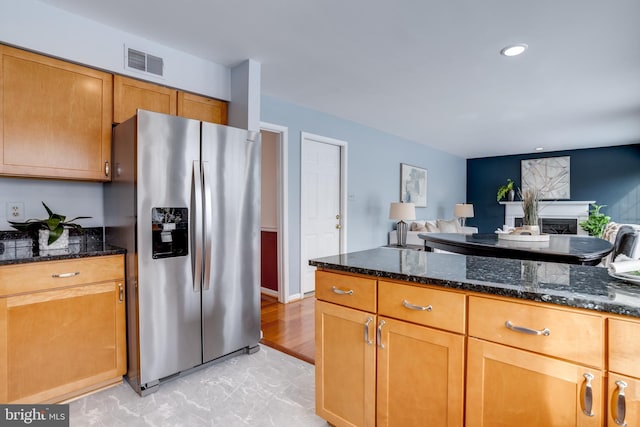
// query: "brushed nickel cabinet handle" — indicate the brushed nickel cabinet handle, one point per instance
point(366, 330)
point(410, 306)
point(106, 168)
point(121, 292)
point(341, 292)
point(380, 325)
point(621, 404)
point(545, 332)
point(587, 399)
point(65, 275)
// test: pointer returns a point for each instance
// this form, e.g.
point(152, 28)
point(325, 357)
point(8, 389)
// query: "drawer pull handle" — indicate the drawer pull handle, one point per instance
point(588, 395)
point(546, 332)
point(121, 292)
point(65, 275)
point(621, 404)
point(380, 334)
point(341, 292)
point(410, 306)
point(366, 330)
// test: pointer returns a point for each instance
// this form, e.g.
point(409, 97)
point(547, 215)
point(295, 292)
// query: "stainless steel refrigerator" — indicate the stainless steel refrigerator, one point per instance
point(185, 202)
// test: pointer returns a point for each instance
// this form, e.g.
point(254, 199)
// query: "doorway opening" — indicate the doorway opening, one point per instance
point(274, 224)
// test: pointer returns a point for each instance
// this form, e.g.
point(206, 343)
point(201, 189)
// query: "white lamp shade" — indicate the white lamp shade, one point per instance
point(463, 210)
point(402, 211)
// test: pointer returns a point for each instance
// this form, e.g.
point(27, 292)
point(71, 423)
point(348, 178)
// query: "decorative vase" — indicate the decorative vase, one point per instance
point(511, 195)
point(534, 230)
point(61, 243)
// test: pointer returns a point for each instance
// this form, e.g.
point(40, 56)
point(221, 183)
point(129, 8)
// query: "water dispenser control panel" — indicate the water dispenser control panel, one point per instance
point(170, 232)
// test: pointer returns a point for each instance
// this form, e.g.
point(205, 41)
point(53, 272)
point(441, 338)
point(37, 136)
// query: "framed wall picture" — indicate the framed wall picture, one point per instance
point(413, 185)
point(550, 175)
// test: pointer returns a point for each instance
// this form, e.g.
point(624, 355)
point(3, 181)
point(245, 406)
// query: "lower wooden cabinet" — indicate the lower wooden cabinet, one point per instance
point(375, 370)
point(420, 376)
point(624, 401)
point(623, 391)
point(66, 338)
point(345, 362)
point(511, 387)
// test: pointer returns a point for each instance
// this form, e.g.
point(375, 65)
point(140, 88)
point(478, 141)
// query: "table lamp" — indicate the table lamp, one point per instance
point(463, 211)
point(402, 211)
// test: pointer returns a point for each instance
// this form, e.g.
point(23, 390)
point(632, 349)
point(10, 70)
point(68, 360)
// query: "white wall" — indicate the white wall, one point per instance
point(40, 27)
point(269, 181)
point(69, 198)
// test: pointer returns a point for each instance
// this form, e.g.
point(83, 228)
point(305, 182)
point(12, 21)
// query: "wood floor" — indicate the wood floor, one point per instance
point(290, 327)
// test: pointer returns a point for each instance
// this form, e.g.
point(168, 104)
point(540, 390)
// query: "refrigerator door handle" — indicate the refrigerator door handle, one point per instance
point(208, 225)
point(196, 226)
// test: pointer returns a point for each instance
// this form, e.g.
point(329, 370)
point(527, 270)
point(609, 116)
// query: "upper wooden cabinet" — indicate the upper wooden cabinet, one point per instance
point(202, 108)
point(131, 94)
point(55, 118)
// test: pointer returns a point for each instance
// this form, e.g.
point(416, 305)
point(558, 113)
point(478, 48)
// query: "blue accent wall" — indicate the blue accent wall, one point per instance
point(608, 175)
point(373, 176)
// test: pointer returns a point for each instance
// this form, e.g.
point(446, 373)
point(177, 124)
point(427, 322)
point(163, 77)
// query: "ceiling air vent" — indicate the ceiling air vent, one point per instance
point(145, 62)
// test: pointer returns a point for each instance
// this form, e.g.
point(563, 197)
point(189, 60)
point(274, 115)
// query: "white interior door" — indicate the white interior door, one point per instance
point(322, 211)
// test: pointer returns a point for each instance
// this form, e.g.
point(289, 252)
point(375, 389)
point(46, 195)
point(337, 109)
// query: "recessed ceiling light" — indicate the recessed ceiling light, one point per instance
point(514, 50)
point(539, 148)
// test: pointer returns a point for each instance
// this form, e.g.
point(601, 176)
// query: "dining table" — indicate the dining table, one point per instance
point(562, 248)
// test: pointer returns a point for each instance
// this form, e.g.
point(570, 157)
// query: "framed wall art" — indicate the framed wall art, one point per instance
point(551, 176)
point(413, 185)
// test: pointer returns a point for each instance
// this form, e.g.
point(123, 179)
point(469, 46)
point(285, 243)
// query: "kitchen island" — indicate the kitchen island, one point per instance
point(415, 338)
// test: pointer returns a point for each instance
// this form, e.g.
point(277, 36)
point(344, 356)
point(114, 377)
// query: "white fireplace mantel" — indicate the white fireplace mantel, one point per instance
point(569, 209)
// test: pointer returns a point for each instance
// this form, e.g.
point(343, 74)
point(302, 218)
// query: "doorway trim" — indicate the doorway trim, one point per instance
point(283, 207)
point(304, 137)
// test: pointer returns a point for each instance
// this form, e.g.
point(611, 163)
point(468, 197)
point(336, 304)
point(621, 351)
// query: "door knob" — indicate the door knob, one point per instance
point(338, 226)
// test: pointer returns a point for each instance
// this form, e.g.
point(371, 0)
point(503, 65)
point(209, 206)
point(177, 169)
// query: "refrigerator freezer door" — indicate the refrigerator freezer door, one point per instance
point(168, 305)
point(231, 304)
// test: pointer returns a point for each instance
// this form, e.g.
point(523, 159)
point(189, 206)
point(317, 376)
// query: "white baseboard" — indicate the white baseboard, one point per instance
point(269, 292)
point(293, 297)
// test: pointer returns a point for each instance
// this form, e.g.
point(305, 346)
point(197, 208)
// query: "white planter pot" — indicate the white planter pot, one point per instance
point(61, 243)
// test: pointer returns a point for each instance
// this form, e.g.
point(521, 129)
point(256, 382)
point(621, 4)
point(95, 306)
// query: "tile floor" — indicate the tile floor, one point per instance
point(268, 388)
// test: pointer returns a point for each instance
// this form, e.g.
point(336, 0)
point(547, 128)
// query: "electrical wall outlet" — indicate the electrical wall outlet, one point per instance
point(15, 211)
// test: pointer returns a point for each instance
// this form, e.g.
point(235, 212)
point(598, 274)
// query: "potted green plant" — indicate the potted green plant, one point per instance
point(50, 230)
point(595, 223)
point(506, 190)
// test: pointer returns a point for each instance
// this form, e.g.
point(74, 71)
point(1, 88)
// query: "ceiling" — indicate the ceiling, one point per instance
point(427, 71)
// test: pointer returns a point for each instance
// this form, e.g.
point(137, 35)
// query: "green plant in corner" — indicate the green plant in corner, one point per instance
point(56, 224)
point(503, 190)
point(594, 225)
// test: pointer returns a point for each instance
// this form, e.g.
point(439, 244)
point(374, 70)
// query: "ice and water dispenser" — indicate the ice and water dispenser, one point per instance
point(169, 229)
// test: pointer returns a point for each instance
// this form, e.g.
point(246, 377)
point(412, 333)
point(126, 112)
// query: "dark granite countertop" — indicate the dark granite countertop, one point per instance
point(19, 248)
point(563, 284)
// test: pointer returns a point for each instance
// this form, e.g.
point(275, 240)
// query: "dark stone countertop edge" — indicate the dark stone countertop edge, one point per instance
point(113, 250)
point(575, 301)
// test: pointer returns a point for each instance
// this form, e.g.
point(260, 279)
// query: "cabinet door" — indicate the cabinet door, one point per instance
point(62, 341)
point(509, 387)
point(202, 108)
point(345, 365)
point(420, 376)
point(131, 94)
point(55, 118)
point(624, 401)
